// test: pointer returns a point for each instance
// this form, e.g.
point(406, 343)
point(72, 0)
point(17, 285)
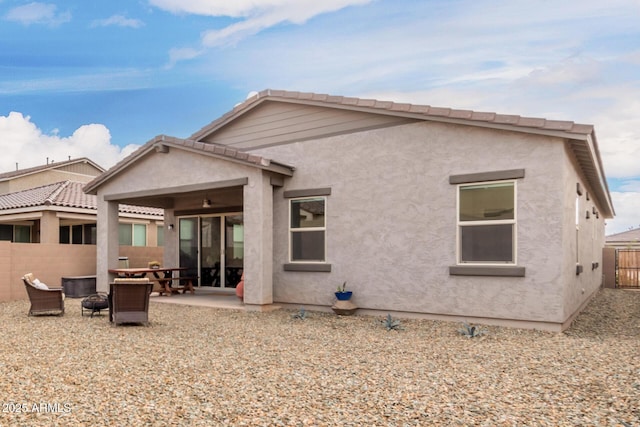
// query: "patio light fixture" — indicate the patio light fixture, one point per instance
point(206, 203)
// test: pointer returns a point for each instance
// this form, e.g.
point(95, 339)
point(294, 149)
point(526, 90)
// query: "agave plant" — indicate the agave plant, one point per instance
point(471, 331)
point(301, 314)
point(391, 323)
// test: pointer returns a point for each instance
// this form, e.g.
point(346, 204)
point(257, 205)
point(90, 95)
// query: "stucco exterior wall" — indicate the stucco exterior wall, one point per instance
point(178, 167)
point(391, 221)
point(582, 246)
point(47, 177)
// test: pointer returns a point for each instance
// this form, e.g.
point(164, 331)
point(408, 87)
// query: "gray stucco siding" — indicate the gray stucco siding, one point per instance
point(391, 220)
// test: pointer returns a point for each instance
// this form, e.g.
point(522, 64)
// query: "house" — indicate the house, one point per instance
point(46, 204)
point(425, 211)
point(621, 259)
point(629, 239)
point(48, 226)
point(78, 170)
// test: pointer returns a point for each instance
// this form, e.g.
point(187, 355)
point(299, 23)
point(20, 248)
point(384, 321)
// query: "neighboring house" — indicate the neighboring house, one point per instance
point(629, 239)
point(444, 213)
point(53, 211)
point(78, 170)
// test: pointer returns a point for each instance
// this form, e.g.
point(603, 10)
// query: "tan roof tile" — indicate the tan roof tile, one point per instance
point(532, 122)
point(64, 194)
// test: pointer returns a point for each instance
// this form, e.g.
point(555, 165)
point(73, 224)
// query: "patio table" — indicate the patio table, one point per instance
point(164, 276)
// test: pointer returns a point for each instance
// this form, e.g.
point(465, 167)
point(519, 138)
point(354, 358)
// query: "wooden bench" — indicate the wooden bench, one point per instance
point(167, 287)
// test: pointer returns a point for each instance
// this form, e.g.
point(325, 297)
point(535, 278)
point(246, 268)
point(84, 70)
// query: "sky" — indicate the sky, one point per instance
point(99, 78)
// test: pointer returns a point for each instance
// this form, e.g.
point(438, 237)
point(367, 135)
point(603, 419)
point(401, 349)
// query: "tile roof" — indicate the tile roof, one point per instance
point(63, 194)
point(582, 137)
point(217, 149)
point(424, 112)
point(162, 142)
point(53, 165)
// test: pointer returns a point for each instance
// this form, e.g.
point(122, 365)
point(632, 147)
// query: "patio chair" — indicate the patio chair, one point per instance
point(44, 300)
point(129, 300)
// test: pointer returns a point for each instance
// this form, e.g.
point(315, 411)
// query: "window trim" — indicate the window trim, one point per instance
point(291, 231)
point(307, 266)
point(487, 269)
point(513, 222)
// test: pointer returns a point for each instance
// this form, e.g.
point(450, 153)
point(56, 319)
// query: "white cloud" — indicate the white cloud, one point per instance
point(118, 21)
point(24, 144)
point(181, 54)
point(627, 206)
point(37, 13)
point(255, 15)
point(118, 79)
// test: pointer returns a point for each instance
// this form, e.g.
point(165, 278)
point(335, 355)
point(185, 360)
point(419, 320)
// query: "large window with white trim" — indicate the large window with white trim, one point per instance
point(307, 229)
point(487, 223)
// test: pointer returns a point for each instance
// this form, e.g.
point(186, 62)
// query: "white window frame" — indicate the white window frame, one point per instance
point(514, 222)
point(307, 229)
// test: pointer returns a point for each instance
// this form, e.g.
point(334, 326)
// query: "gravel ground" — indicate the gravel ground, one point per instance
point(202, 366)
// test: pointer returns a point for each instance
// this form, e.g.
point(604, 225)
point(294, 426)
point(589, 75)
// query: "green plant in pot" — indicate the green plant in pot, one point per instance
point(342, 293)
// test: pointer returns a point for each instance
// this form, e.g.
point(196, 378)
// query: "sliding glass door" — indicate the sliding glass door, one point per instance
point(214, 245)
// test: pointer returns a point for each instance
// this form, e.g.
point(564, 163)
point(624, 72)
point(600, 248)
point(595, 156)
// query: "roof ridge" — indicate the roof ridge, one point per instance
point(51, 199)
point(415, 110)
point(18, 172)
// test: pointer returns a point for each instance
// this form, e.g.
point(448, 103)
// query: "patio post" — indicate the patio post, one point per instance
point(258, 241)
point(107, 241)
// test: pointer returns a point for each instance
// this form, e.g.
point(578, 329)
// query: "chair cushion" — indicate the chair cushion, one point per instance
point(38, 284)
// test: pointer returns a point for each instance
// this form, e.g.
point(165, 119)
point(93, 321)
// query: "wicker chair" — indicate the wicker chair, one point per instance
point(43, 301)
point(129, 300)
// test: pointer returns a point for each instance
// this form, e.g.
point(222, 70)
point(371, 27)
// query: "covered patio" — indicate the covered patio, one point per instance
point(194, 182)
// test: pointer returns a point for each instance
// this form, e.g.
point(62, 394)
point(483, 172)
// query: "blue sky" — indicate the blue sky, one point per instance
point(99, 78)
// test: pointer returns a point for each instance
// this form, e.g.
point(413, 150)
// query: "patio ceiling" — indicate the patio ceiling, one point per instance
point(181, 198)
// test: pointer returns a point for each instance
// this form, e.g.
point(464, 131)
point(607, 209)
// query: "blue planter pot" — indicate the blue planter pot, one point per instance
point(344, 296)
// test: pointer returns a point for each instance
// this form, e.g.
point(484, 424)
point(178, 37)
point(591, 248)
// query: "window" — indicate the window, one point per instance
point(90, 234)
point(15, 233)
point(160, 235)
point(133, 234)
point(82, 234)
point(307, 229)
point(487, 223)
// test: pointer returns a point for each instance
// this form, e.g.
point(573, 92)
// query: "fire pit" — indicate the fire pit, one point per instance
point(95, 303)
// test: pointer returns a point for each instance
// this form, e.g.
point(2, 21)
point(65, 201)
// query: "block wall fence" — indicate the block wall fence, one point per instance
point(51, 262)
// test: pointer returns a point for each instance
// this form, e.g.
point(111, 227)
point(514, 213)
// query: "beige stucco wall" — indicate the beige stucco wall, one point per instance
point(391, 221)
point(47, 177)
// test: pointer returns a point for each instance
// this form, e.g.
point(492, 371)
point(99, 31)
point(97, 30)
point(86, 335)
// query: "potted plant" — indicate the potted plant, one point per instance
point(343, 306)
point(342, 294)
point(154, 264)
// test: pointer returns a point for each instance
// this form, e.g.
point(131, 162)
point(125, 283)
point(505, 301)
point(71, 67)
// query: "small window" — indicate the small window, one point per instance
point(90, 234)
point(307, 229)
point(160, 235)
point(22, 234)
point(76, 234)
point(15, 233)
point(487, 223)
point(139, 235)
point(132, 234)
